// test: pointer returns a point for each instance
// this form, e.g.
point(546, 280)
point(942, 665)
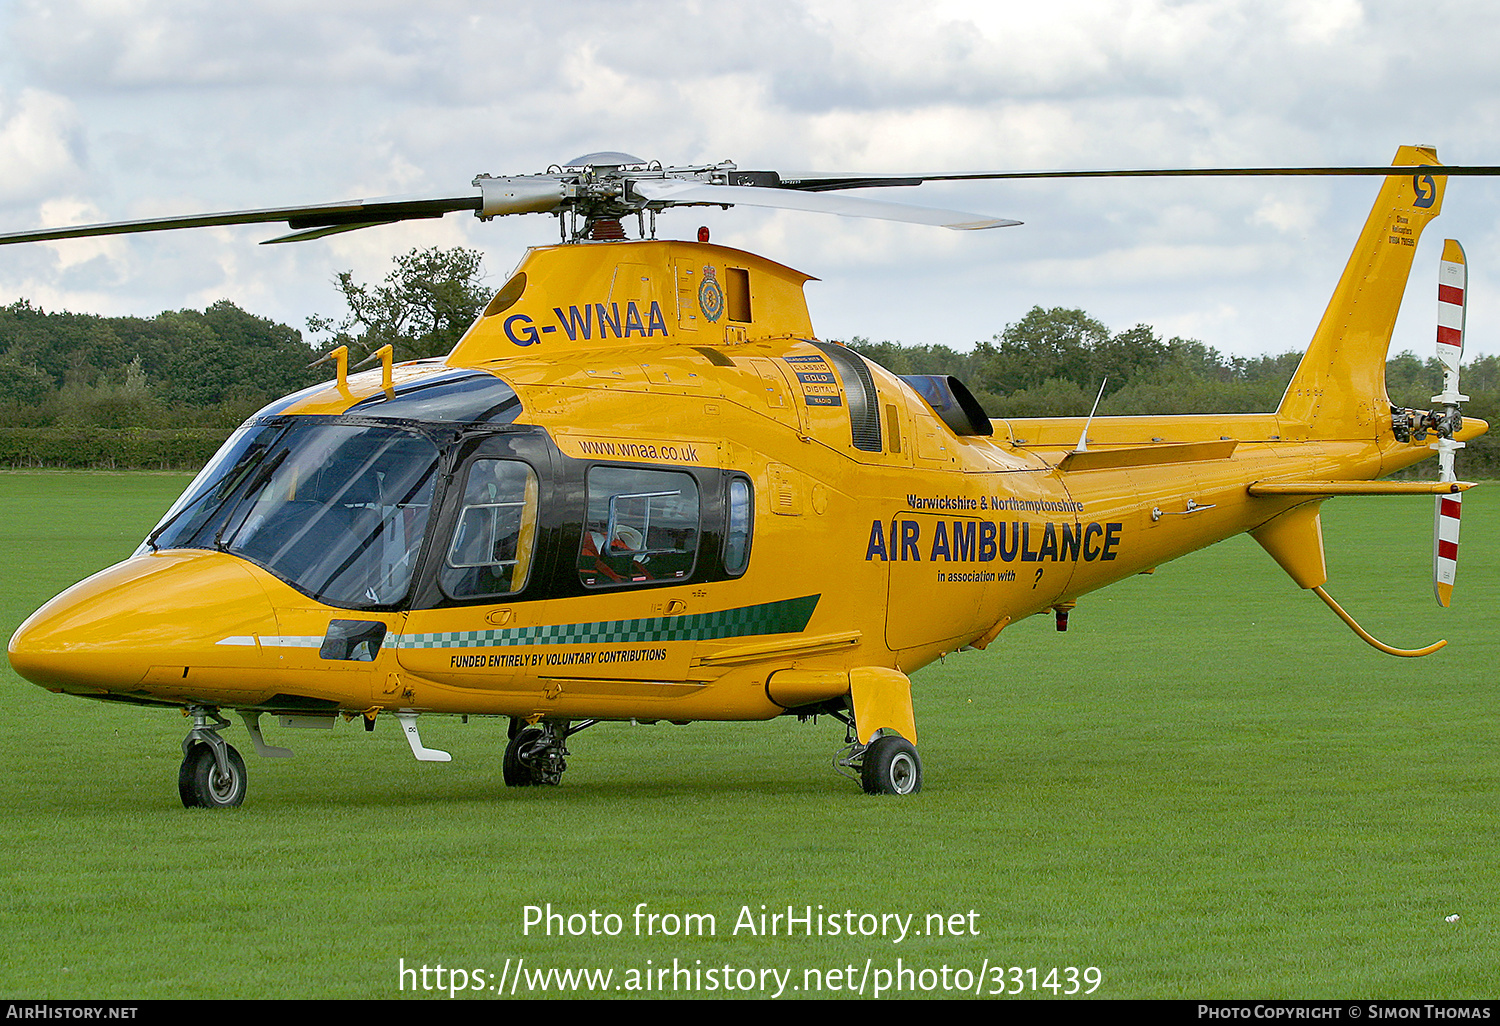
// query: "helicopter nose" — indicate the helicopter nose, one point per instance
point(151, 616)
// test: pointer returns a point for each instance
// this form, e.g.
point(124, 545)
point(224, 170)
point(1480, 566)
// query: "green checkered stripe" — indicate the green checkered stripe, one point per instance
point(788, 616)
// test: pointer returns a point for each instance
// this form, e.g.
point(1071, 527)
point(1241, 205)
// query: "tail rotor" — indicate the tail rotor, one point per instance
point(1452, 308)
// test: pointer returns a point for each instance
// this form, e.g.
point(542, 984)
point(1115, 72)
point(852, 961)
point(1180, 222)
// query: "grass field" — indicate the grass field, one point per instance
point(1207, 788)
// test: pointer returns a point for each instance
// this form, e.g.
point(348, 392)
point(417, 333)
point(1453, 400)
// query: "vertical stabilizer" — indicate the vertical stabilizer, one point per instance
point(1339, 388)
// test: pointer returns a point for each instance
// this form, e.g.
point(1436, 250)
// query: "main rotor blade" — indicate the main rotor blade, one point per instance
point(758, 196)
point(819, 180)
point(353, 213)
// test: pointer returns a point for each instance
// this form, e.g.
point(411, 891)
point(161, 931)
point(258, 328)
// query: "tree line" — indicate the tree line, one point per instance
point(212, 368)
point(64, 375)
point(185, 368)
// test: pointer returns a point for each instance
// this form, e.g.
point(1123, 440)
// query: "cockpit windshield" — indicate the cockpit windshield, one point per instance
point(337, 510)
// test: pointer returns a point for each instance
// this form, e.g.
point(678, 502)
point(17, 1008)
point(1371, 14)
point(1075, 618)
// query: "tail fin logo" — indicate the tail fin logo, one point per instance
point(1426, 189)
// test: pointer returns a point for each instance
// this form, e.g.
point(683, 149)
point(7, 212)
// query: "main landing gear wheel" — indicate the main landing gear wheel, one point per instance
point(891, 766)
point(204, 786)
point(534, 756)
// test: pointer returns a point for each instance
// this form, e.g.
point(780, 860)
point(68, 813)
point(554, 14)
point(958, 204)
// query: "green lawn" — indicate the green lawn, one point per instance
point(1207, 788)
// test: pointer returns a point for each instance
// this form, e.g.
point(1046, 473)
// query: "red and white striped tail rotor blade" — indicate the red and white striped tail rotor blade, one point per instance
point(1445, 547)
point(1453, 291)
point(1453, 281)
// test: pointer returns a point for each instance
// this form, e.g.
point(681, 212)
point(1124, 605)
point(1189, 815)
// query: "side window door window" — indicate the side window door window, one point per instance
point(495, 536)
point(741, 509)
point(641, 526)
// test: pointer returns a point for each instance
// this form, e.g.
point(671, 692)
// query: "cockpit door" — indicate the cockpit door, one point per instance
point(487, 560)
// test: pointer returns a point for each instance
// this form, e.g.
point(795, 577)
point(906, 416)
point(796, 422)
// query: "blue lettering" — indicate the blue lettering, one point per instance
point(528, 334)
point(963, 541)
point(574, 323)
point(987, 540)
point(1091, 532)
point(654, 320)
point(1027, 556)
point(1049, 543)
point(940, 543)
point(605, 319)
point(1009, 554)
point(876, 547)
point(911, 534)
point(633, 320)
point(1070, 540)
point(1111, 539)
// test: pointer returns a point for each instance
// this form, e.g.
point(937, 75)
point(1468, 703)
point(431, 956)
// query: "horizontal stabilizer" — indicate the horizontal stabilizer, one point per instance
point(1358, 487)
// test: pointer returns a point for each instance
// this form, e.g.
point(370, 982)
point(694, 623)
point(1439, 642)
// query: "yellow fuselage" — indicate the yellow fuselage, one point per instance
point(880, 538)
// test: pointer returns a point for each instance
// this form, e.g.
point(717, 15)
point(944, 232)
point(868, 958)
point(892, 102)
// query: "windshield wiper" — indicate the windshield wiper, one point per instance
point(267, 468)
point(244, 466)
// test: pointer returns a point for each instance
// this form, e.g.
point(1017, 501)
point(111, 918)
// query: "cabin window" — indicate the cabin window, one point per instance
point(490, 554)
point(641, 527)
point(737, 293)
point(737, 537)
point(508, 296)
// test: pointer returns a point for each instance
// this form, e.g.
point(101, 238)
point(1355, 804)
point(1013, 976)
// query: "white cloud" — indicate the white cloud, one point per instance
point(39, 145)
point(141, 107)
point(68, 210)
point(1324, 22)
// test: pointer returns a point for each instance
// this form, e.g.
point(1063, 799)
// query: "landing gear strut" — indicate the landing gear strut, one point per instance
point(889, 764)
point(538, 754)
point(212, 775)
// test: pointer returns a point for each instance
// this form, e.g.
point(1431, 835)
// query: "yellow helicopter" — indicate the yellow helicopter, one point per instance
point(640, 488)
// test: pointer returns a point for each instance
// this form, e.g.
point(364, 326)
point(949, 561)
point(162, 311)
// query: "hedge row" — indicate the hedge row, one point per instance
point(109, 448)
point(190, 448)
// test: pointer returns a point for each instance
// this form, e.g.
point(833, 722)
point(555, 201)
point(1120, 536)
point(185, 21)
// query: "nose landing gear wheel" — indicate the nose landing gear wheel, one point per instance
point(203, 786)
point(891, 766)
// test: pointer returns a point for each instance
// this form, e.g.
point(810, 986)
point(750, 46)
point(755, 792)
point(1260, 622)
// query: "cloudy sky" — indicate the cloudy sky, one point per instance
point(115, 109)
